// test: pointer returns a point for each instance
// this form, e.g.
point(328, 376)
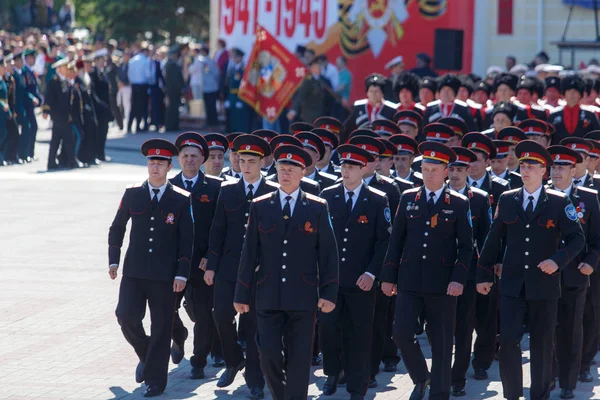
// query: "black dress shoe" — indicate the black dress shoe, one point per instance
point(152, 391)
point(585, 376)
point(458, 391)
point(553, 384)
point(229, 375)
point(139, 372)
point(330, 386)
point(256, 393)
point(316, 360)
point(355, 396)
point(390, 367)
point(418, 392)
point(178, 350)
point(480, 374)
point(372, 382)
point(342, 379)
point(218, 362)
point(197, 373)
point(567, 394)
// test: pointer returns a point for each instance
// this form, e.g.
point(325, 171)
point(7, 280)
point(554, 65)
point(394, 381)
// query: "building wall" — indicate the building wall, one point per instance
point(529, 36)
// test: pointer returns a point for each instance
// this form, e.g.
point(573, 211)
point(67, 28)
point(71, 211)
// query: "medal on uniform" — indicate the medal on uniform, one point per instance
point(409, 206)
point(170, 219)
point(550, 224)
point(307, 226)
point(363, 219)
point(447, 199)
point(434, 221)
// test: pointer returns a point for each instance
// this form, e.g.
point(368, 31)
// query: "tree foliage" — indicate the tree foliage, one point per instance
point(130, 18)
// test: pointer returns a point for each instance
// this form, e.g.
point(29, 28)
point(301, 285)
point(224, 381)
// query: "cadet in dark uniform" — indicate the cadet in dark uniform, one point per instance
point(372, 108)
point(447, 105)
point(385, 128)
point(500, 116)
point(217, 146)
point(299, 126)
point(290, 235)
point(427, 264)
point(157, 263)
point(409, 122)
point(575, 278)
point(406, 90)
point(361, 220)
point(226, 238)
point(306, 184)
point(481, 217)
point(331, 142)
point(33, 99)
point(233, 170)
point(198, 304)
point(572, 119)
point(268, 166)
point(406, 148)
point(581, 176)
point(526, 88)
point(513, 135)
point(440, 133)
point(538, 131)
point(102, 93)
point(313, 144)
point(499, 164)
point(5, 112)
point(533, 221)
point(57, 104)
point(386, 159)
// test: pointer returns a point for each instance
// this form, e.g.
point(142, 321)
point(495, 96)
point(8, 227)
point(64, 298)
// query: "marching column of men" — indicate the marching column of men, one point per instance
point(362, 233)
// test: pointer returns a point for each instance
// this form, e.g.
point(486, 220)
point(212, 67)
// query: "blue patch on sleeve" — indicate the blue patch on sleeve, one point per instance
point(490, 214)
point(469, 217)
point(387, 214)
point(571, 212)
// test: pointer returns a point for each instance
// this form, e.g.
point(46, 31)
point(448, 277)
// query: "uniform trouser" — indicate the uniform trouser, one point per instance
point(139, 107)
point(542, 325)
point(152, 350)
point(157, 98)
point(124, 100)
point(591, 323)
point(569, 335)
point(25, 137)
point(114, 108)
point(286, 380)
point(3, 134)
point(210, 104)
point(224, 315)
point(383, 347)
point(441, 311)
point(12, 140)
point(486, 327)
point(77, 138)
point(348, 329)
point(172, 117)
point(198, 305)
point(463, 334)
point(33, 128)
point(87, 150)
point(62, 136)
point(102, 133)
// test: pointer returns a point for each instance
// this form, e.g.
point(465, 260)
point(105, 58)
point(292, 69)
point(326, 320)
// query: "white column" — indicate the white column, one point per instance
point(480, 37)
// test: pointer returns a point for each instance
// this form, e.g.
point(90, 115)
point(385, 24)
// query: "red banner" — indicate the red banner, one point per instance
point(272, 76)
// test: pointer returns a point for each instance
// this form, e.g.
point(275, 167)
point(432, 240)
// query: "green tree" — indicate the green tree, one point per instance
point(130, 18)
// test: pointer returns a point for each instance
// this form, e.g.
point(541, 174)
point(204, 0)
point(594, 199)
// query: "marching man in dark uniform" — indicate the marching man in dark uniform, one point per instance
point(533, 221)
point(204, 192)
point(448, 105)
point(371, 108)
point(481, 216)
point(499, 164)
point(427, 265)
point(34, 98)
point(406, 147)
point(313, 144)
point(157, 263)
point(331, 142)
point(268, 165)
point(575, 277)
point(361, 221)
point(290, 235)
point(572, 119)
point(226, 238)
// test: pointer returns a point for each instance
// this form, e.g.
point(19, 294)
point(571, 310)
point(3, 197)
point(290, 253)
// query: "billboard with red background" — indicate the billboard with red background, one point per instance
point(368, 32)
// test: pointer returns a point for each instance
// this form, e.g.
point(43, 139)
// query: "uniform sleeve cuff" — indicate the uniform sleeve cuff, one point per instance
point(371, 275)
point(181, 278)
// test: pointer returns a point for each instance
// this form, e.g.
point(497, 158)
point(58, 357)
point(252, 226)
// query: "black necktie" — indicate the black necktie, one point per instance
point(430, 202)
point(349, 204)
point(529, 208)
point(189, 185)
point(155, 198)
point(250, 194)
point(577, 182)
point(474, 184)
point(287, 211)
point(237, 176)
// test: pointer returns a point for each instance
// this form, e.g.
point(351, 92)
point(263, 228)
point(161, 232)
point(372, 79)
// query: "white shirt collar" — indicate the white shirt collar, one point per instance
point(479, 182)
point(313, 175)
point(254, 185)
point(582, 179)
point(369, 179)
point(160, 193)
point(194, 179)
point(354, 196)
point(461, 191)
point(504, 175)
point(536, 196)
point(438, 193)
point(283, 195)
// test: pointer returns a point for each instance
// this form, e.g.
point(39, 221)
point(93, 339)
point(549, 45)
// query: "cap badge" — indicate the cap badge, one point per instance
point(433, 154)
point(473, 144)
point(557, 157)
point(347, 155)
point(214, 143)
point(573, 146)
point(157, 151)
point(248, 147)
point(364, 147)
point(289, 155)
point(526, 155)
point(437, 135)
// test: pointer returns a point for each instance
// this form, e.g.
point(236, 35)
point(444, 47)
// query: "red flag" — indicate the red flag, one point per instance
point(272, 76)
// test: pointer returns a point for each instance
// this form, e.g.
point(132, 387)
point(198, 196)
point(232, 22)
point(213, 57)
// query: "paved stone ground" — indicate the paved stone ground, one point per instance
point(59, 338)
